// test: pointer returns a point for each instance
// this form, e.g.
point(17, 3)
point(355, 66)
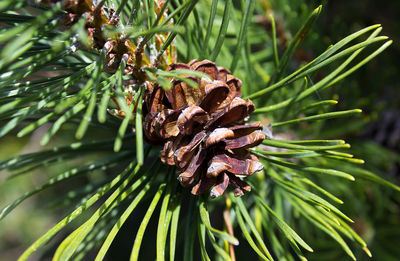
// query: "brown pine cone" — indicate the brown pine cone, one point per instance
point(203, 129)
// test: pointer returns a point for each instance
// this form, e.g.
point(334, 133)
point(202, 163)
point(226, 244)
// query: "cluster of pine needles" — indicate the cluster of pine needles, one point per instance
point(50, 75)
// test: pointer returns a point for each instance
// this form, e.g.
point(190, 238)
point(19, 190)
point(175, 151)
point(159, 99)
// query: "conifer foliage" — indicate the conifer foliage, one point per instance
point(193, 97)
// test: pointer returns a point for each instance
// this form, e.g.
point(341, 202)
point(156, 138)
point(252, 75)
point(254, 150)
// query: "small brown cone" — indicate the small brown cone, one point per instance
point(203, 130)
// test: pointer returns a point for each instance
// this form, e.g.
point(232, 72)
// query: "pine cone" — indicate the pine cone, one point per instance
point(203, 129)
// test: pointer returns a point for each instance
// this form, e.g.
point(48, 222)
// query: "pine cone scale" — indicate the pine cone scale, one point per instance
point(189, 174)
point(251, 140)
point(220, 186)
point(206, 67)
point(218, 135)
point(215, 93)
point(239, 186)
point(189, 117)
point(217, 165)
point(242, 130)
point(237, 109)
point(176, 96)
point(165, 123)
point(203, 185)
point(183, 154)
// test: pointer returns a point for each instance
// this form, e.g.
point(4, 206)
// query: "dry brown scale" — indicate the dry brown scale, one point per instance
point(203, 129)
